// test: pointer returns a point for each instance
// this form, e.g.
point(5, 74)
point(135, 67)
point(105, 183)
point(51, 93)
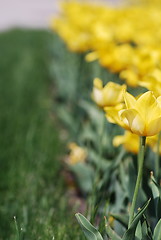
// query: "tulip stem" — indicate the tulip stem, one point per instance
point(157, 163)
point(138, 157)
point(139, 178)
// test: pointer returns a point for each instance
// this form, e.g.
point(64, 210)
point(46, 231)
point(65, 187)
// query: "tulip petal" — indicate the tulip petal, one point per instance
point(148, 107)
point(130, 101)
point(133, 119)
point(159, 101)
point(112, 115)
point(118, 140)
point(98, 83)
point(97, 96)
point(113, 93)
point(154, 127)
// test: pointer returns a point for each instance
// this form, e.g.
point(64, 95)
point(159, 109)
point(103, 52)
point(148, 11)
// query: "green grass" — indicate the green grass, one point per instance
point(31, 186)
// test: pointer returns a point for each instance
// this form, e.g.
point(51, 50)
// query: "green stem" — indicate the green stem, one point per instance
point(157, 164)
point(139, 178)
point(138, 157)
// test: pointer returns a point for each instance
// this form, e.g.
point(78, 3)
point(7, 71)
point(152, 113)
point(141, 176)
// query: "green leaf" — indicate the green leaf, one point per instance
point(155, 187)
point(156, 190)
point(89, 230)
point(130, 233)
point(143, 230)
point(113, 235)
point(138, 233)
point(84, 174)
point(147, 233)
point(157, 231)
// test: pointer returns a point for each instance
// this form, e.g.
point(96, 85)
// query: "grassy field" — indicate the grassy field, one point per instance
point(31, 186)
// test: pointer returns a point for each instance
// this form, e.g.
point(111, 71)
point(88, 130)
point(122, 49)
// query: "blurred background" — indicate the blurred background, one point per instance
point(31, 13)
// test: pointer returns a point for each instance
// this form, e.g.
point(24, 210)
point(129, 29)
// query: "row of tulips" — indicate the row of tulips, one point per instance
point(141, 117)
point(114, 181)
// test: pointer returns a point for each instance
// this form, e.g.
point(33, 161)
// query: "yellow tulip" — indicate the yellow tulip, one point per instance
point(109, 95)
point(130, 76)
point(152, 81)
point(77, 154)
point(142, 115)
point(110, 33)
point(125, 139)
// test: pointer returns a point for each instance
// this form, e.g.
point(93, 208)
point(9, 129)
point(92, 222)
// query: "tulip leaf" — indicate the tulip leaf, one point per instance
point(157, 231)
point(146, 232)
point(89, 230)
point(130, 233)
point(138, 233)
point(143, 230)
point(156, 191)
point(84, 175)
point(148, 229)
point(113, 235)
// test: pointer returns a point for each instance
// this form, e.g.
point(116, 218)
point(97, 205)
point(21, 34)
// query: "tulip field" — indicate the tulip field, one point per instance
point(81, 123)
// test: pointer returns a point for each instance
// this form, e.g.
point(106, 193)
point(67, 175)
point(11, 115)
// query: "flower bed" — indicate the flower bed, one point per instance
point(96, 103)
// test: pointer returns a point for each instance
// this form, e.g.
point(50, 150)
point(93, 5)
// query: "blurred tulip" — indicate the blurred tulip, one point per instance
point(131, 77)
point(109, 95)
point(125, 139)
point(152, 82)
point(77, 154)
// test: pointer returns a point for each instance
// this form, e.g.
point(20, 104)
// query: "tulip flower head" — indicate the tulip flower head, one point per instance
point(77, 154)
point(142, 116)
point(152, 81)
point(109, 95)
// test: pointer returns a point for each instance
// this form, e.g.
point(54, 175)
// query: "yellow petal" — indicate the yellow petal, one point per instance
point(148, 107)
point(113, 116)
point(113, 93)
point(92, 56)
point(130, 76)
point(130, 101)
point(127, 138)
point(159, 101)
point(97, 82)
point(156, 74)
point(118, 140)
point(133, 120)
point(97, 96)
point(154, 127)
